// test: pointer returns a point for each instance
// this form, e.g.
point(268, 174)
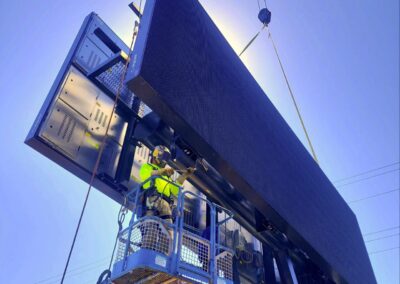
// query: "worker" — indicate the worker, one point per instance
point(160, 191)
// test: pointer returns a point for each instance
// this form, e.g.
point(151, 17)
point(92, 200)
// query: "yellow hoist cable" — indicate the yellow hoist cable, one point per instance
point(293, 99)
point(288, 85)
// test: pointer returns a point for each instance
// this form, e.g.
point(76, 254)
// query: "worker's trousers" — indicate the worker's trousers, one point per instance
point(157, 206)
point(154, 236)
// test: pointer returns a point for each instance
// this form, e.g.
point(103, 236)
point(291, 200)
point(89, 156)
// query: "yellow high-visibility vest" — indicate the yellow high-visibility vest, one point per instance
point(162, 186)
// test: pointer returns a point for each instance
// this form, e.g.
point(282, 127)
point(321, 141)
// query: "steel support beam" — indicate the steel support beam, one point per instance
point(285, 267)
point(268, 260)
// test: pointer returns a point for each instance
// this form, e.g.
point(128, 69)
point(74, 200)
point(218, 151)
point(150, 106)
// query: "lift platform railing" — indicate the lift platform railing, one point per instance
point(224, 254)
point(151, 249)
point(194, 252)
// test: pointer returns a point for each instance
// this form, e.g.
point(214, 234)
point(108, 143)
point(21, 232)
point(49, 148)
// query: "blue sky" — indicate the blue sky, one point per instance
point(341, 58)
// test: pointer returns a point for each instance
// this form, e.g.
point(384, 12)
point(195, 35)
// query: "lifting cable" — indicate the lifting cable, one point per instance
point(293, 98)
point(265, 24)
point(102, 145)
point(251, 41)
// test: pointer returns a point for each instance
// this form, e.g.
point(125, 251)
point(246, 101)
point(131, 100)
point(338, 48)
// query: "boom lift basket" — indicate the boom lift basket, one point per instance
point(152, 250)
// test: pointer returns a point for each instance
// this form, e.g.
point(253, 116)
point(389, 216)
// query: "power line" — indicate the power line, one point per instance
point(51, 278)
point(381, 238)
point(91, 281)
point(380, 231)
point(366, 172)
point(366, 178)
point(55, 281)
point(384, 250)
point(375, 195)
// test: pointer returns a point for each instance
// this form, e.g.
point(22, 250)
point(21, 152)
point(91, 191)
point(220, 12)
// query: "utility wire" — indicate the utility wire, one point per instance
point(366, 172)
point(52, 278)
point(100, 154)
point(293, 98)
point(90, 281)
point(77, 273)
point(366, 178)
point(381, 238)
point(375, 195)
point(384, 250)
point(380, 231)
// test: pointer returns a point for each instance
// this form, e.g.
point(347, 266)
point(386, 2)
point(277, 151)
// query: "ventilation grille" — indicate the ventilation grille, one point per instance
point(93, 60)
point(66, 128)
point(101, 118)
point(111, 79)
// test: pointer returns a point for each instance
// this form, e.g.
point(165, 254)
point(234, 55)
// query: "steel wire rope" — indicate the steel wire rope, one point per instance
point(101, 150)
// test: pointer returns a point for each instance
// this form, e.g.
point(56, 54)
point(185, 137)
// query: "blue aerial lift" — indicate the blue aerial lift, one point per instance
point(151, 250)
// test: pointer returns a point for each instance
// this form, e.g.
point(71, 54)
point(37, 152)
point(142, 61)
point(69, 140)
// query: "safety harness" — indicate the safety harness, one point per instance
point(152, 191)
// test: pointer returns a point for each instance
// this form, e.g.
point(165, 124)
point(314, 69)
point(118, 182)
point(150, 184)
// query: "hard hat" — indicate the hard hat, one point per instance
point(161, 153)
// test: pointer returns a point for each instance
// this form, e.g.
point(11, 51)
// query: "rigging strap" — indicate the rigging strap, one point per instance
point(251, 41)
point(293, 99)
point(265, 24)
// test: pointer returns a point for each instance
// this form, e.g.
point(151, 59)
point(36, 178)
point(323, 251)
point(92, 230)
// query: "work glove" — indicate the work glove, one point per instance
point(190, 170)
point(167, 172)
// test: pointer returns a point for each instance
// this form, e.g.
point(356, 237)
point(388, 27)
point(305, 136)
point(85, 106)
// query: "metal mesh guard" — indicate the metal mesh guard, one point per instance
point(195, 251)
point(224, 265)
point(111, 79)
point(147, 234)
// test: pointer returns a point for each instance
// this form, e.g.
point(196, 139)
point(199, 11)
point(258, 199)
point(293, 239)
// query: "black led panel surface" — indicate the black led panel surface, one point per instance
point(186, 71)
